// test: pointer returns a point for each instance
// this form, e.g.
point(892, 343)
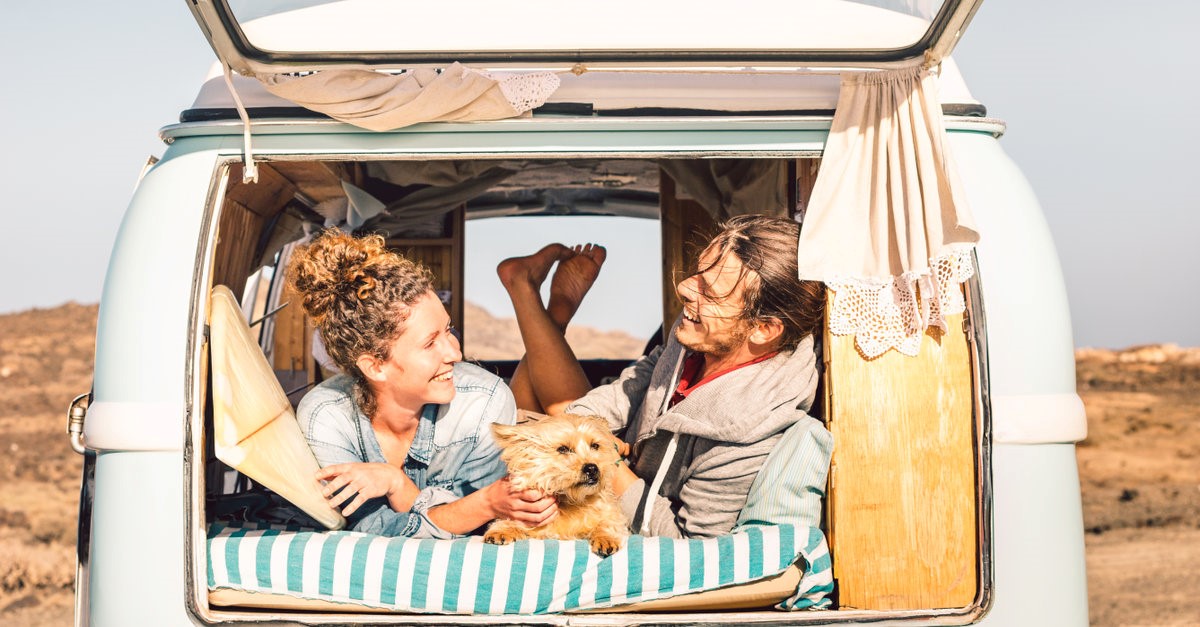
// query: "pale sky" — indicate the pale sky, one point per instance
point(1099, 97)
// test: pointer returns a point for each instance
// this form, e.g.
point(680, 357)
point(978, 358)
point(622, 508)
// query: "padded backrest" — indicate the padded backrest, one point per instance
point(254, 428)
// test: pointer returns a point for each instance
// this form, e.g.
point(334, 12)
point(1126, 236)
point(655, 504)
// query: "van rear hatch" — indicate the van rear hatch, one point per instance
point(298, 35)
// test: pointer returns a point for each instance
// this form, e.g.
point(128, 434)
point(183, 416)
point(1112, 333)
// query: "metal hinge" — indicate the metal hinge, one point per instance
point(76, 414)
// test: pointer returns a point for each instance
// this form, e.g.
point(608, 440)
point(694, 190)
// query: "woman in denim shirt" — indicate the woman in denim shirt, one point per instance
point(404, 434)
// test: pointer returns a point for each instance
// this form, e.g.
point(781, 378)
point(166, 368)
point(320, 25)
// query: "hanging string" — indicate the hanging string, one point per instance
point(250, 172)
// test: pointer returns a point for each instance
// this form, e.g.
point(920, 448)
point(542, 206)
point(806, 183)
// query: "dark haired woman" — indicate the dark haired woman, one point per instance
point(403, 435)
point(703, 412)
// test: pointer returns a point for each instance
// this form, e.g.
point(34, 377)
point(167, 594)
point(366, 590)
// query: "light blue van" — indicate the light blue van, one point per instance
point(984, 527)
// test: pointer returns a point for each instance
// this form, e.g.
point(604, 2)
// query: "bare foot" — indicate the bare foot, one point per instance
point(576, 273)
point(531, 270)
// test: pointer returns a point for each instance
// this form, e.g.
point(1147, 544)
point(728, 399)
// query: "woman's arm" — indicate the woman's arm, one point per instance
point(326, 417)
point(365, 481)
point(497, 500)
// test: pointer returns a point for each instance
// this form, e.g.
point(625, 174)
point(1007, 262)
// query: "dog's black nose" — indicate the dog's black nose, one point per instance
point(591, 473)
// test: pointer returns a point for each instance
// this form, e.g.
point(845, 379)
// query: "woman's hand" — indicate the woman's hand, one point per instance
point(365, 481)
point(530, 507)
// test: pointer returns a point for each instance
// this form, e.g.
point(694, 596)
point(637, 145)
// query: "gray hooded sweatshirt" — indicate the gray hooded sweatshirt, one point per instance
point(725, 429)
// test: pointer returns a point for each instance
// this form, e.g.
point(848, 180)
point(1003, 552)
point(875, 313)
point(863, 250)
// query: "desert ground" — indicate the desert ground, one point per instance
point(1139, 468)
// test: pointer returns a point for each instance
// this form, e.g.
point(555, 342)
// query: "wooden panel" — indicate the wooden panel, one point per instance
point(686, 230)
point(293, 336)
point(444, 258)
point(316, 180)
point(267, 197)
point(806, 172)
point(237, 237)
point(902, 494)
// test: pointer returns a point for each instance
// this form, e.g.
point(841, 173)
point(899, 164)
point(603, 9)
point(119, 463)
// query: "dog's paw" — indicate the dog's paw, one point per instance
point(494, 536)
point(604, 545)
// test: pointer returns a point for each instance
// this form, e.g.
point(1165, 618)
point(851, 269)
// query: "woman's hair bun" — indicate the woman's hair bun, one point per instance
point(336, 270)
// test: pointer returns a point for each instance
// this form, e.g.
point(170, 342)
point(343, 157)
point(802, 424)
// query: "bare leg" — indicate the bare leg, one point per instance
point(526, 275)
point(549, 373)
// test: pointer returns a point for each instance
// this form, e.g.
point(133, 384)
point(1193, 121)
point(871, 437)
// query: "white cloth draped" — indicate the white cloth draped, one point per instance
point(384, 102)
point(887, 227)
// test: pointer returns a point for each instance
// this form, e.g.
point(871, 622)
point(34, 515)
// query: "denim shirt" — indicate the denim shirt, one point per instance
point(452, 454)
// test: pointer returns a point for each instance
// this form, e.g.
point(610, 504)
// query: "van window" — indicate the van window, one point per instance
point(621, 312)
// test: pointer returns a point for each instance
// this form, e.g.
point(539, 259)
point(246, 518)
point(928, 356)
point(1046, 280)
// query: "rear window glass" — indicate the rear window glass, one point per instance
point(621, 311)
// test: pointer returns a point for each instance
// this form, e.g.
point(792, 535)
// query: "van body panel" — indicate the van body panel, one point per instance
point(1041, 576)
point(142, 329)
point(136, 570)
point(662, 140)
point(134, 426)
point(1038, 418)
point(1025, 297)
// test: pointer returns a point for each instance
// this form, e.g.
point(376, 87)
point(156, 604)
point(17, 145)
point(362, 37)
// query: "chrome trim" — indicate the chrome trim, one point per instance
point(981, 373)
point(310, 125)
point(284, 126)
point(83, 541)
point(76, 415)
point(195, 557)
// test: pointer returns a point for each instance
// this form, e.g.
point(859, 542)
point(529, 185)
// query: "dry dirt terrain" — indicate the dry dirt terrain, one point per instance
point(1139, 468)
point(1140, 474)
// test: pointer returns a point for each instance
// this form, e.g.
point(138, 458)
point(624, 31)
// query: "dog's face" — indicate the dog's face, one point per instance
point(569, 456)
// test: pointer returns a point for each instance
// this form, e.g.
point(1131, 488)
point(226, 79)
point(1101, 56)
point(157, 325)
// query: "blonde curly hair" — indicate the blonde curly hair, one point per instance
point(359, 295)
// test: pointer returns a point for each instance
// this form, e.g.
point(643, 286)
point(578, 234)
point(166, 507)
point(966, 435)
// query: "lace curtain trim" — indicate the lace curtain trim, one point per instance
point(894, 313)
point(525, 92)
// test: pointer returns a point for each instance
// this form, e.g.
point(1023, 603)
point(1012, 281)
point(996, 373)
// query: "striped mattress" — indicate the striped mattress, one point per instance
point(467, 576)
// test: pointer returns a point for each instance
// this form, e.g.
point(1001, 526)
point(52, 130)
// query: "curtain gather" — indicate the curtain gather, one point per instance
point(887, 227)
point(384, 102)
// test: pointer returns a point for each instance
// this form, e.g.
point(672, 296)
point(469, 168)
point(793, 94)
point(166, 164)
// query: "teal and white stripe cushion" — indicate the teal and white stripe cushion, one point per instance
point(467, 576)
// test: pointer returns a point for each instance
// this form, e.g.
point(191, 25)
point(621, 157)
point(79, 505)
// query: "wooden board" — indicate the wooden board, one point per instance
point(267, 197)
point(238, 229)
point(902, 499)
point(686, 230)
point(317, 181)
point(444, 258)
point(291, 350)
point(806, 179)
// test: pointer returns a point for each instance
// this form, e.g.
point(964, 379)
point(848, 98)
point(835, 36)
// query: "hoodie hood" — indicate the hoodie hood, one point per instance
point(740, 406)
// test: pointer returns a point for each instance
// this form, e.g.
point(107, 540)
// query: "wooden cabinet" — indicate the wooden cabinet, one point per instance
point(902, 500)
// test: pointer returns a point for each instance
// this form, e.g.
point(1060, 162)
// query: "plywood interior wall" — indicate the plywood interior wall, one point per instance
point(686, 230)
point(902, 499)
point(444, 256)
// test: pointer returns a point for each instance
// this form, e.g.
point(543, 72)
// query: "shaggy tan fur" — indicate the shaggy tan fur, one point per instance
point(572, 457)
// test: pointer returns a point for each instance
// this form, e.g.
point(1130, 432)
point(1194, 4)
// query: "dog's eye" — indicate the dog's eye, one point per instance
point(563, 450)
point(595, 446)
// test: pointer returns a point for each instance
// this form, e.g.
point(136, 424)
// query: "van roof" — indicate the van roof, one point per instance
point(603, 92)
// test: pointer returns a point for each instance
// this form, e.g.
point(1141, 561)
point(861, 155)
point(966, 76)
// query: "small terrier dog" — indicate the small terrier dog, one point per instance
point(573, 458)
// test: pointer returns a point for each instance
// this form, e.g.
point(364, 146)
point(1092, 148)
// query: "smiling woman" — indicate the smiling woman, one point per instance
point(402, 433)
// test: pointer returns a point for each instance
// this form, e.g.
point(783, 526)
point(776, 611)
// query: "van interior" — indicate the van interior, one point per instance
point(901, 542)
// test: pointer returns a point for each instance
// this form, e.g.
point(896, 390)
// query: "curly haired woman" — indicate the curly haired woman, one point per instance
point(403, 434)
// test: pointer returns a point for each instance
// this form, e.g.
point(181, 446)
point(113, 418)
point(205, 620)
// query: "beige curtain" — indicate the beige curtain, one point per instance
point(383, 102)
point(887, 227)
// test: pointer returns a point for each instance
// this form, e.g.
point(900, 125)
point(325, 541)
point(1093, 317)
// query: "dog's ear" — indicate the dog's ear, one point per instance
point(507, 435)
point(593, 424)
